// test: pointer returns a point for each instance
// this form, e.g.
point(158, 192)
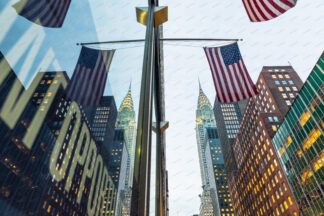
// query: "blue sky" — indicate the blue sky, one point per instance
point(296, 37)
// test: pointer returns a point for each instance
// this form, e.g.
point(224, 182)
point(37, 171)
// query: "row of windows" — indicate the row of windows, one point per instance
point(294, 88)
point(284, 82)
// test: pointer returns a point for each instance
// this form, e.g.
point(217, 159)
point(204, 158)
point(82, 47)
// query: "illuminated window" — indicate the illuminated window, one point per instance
point(304, 117)
point(313, 135)
point(319, 162)
point(284, 95)
point(288, 141)
point(306, 174)
point(290, 201)
point(299, 153)
point(294, 88)
point(280, 89)
point(274, 128)
point(280, 76)
point(288, 102)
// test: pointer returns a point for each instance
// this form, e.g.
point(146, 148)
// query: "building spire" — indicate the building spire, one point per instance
point(127, 103)
point(202, 99)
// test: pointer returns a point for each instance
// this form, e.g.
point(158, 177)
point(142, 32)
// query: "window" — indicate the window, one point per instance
point(306, 174)
point(295, 89)
point(318, 162)
point(291, 82)
point(273, 76)
point(284, 95)
point(287, 76)
point(274, 128)
point(276, 119)
point(287, 89)
point(280, 89)
point(280, 76)
point(288, 102)
point(277, 82)
point(313, 135)
point(284, 82)
point(304, 117)
point(291, 95)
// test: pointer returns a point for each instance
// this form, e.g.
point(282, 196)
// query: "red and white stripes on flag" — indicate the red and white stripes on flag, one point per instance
point(263, 10)
point(231, 78)
point(90, 75)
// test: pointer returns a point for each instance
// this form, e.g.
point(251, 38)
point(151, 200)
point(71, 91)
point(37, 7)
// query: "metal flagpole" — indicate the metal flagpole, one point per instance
point(160, 39)
point(141, 189)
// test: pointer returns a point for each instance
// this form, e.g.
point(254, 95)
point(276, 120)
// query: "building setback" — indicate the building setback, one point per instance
point(299, 143)
point(259, 186)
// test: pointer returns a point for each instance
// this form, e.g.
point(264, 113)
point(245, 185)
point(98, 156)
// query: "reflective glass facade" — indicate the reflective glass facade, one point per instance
point(299, 143)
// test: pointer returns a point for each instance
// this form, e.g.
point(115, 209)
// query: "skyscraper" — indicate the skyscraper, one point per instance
point(126, 121)
point(215, 198)
point(218, 179)
point(259, 186)
point(228, 117)
point(299, 144)
point(204, 118)
point(117, 167)
point(102, 120)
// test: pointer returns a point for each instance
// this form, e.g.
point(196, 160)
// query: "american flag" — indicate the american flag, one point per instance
point(263, 10)
point(90, 75)
point(231, 78)
point(47, 13)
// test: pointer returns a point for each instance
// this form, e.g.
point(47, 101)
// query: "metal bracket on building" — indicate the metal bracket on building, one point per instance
point(160, 15)
point(163, 126)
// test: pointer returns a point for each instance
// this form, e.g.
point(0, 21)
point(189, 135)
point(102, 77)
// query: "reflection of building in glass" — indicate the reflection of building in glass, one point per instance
point(102, 118)
point(117, 168)
point(259, 186)
point(23, 172)
point(299, 144)
point(62, 171)
point(216, 173)
point(126, 121)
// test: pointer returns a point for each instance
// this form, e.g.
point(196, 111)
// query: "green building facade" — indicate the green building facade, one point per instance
point(300, 144)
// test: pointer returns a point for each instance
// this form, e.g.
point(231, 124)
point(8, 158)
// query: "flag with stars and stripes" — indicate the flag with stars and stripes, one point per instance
point(90, 75)
point(231, 78)
point(47, 13)
point(263, 10)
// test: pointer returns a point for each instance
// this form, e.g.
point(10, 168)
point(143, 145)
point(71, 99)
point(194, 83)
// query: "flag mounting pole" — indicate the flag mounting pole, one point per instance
point(161, 39)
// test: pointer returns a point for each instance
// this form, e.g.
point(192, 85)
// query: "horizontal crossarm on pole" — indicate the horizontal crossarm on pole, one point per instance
point(162, 39)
